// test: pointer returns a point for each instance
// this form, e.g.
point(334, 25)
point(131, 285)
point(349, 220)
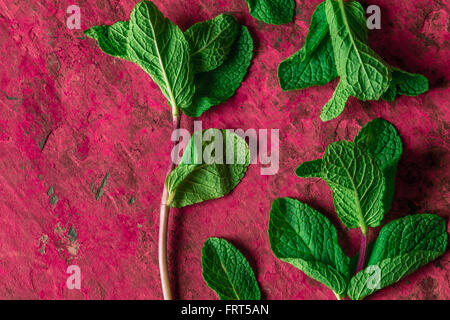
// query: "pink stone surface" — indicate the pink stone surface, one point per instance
point(95, 114)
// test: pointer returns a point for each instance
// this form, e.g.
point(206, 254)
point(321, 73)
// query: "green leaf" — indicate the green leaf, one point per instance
point(389, 270)
point(217, 86)
point(227, 272)
point(365, 75)
point(195, 181)
point(409, 84)
point(301, 71)
point(357, 183)
point(313, 64)
point(303, 237)
point(405, 83)
point(272, 11)
point(112, 40)
point(210, 41)
point(309, 169)
point(159, 47)
point(381, 140)
point(336, 105)
point(423, 232)
point(403, 246)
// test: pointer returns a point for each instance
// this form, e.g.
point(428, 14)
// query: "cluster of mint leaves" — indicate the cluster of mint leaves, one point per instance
point(361, 174)
point(272, 11)
point(337, 45)
point(195, 70)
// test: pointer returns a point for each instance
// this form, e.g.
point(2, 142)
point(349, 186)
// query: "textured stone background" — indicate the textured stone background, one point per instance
point(92, 115)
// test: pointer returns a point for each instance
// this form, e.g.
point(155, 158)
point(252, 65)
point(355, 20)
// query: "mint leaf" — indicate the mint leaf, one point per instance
point(357, 183)
point(301, 70)
point(217, 86)
point(336, 105)
point(227, 272)
point(111, 39)
point(272, 11)
point(193, 182)
point(426, 232)
point(365, 75)
point(313, 64)
point(390, 271)
point(381, 140)
point(409, 84)
point(303, 237)
point(309, 169)
point(210, 41)
point(403, 246)
point(159, 47)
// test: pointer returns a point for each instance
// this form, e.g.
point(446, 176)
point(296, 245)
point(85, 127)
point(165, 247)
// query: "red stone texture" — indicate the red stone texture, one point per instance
point(94, 114)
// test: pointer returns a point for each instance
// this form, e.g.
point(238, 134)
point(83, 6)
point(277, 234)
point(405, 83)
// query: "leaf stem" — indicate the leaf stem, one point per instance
point(163, 222)
point(362, 251)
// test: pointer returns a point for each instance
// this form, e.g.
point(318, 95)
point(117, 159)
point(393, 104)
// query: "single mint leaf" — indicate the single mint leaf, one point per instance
point(210, 41)
point(423, 232)
point(195, 181)
point(403, 246)
point(227, 272)
point(336, 105)
point(357, 184)
point(387, 272)
point(409, 84)
point(309, 169)
point(318, 30)
point(303, 237)
point(217, 86)
point(159, 47)
point(301, 71)
point(381, 140)
point(272, 11)
point(313, 64)
point(112, 40)
point(405, 83)
point(363, 73)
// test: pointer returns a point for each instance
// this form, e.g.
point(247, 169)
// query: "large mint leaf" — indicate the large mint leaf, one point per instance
point(227, 272)
point(381, 140)
point(218, 173)
point(272, 11)
point(357, 184)
point(313, 64)
point(112, 40)
point(159, 47)
point(365, 75)
point(303, 237)
point(336, 105)
point(210, 41)
point(217, 86)
point(403, 246)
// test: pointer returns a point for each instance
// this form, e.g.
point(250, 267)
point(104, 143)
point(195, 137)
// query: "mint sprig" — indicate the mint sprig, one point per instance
point(337, 45)
point(361, 174)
